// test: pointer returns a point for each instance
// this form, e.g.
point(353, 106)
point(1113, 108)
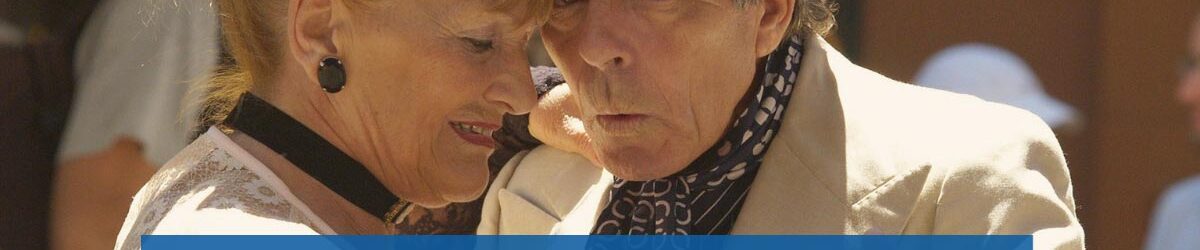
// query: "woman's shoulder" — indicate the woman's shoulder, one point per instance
point(209, 189)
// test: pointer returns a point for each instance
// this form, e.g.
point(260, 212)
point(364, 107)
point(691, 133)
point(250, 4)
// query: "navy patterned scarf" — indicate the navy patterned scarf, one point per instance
point(706, 197)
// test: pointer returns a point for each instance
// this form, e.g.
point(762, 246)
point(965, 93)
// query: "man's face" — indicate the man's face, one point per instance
point(657, 80)
point(1189, 88)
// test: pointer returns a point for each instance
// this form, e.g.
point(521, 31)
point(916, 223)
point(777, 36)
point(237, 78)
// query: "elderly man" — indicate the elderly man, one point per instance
point(736, 117)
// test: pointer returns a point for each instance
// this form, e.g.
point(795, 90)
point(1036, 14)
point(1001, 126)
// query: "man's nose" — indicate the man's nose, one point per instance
point(602, 45)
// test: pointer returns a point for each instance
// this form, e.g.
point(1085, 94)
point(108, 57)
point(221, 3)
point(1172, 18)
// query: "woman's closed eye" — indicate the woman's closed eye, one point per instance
point(563, 3)
point(479, 46)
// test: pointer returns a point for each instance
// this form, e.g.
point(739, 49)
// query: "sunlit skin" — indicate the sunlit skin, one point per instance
point(1189, 87)
point(417, 70)
point(656, 83)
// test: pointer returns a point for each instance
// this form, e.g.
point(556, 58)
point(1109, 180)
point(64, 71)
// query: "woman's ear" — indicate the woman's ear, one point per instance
point(310, 35)
point(774, 24)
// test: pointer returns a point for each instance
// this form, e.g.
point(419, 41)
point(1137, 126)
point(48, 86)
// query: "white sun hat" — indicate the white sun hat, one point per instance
point(996, 75)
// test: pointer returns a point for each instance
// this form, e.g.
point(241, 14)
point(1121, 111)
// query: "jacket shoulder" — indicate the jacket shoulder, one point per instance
point(545, 182)
point(958, 136)
point(553, 179)
point(980, 157)
point(935, 122)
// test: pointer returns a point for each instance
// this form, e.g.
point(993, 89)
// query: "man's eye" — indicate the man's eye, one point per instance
point(561, 3)
point(479, 45)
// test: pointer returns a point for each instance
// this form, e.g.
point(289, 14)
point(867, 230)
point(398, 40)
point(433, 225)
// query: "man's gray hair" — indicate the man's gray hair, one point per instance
point(810, 16)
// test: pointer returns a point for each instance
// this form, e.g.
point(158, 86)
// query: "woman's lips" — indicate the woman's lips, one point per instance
point(478, 133)
point(621, 124)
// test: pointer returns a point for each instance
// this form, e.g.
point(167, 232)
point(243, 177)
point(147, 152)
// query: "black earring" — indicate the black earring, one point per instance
point(331, 74)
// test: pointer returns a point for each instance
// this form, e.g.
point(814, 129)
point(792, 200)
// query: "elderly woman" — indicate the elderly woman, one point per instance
point(341, 116)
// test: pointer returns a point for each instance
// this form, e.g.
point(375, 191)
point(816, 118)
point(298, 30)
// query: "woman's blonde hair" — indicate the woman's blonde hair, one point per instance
point(252, 33)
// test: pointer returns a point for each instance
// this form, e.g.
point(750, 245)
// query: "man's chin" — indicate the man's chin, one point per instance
point(634, 167)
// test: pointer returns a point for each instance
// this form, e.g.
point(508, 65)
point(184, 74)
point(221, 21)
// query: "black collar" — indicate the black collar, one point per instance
point(316, 157)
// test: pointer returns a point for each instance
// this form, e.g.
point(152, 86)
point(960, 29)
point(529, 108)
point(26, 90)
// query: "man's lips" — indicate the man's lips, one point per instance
point(478, 133)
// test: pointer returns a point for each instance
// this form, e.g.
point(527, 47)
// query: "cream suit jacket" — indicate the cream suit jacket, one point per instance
point(857, 153)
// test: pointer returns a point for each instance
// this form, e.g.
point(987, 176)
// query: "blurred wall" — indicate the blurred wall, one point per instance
point(36, 86)
point(1115, 61)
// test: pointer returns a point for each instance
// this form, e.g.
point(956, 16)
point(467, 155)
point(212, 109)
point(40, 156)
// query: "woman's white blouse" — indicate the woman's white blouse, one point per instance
point(213, 187)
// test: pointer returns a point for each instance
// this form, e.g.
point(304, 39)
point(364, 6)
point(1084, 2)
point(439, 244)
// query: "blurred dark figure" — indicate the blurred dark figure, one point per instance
point(1176, 222)
point(35, 97)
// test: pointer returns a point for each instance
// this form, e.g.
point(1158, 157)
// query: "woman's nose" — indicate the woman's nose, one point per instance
point(513, 93)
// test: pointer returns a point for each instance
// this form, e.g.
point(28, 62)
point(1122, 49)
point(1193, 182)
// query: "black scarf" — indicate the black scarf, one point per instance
point(316, 157)
point(706, 197)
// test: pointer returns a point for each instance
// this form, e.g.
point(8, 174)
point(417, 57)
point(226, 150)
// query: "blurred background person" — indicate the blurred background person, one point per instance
point(997, 75)
point(1176, 223)
point(134, 63)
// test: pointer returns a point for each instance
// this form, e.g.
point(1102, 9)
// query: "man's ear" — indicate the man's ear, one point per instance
point(310, 33)
point(777, 16)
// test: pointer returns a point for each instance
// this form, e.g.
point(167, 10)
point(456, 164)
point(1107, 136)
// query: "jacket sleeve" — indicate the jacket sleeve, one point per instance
point(1020, 187)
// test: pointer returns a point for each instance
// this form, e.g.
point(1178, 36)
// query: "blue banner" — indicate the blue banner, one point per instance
point(471, 242)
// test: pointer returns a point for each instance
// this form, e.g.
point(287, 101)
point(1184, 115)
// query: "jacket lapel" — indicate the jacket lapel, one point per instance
point(559, 193)
point(582, 218)
point(521, 217)
point(809, 181)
